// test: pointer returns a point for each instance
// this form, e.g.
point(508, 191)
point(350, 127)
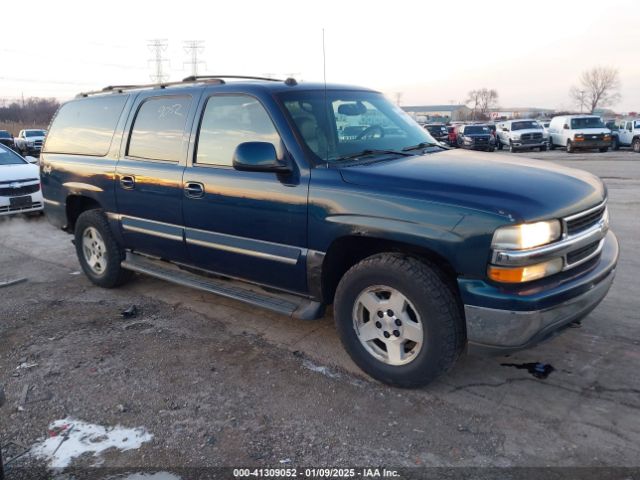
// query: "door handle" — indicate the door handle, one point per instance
point(194, 189)
point(128, 182)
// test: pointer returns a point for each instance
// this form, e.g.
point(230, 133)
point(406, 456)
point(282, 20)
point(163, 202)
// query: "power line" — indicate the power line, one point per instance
point(158, 47)
point(193, 48)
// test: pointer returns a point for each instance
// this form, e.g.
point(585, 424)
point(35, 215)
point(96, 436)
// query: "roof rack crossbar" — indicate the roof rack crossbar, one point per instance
point(195, 78)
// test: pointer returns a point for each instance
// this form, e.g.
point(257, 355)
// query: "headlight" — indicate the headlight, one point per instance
point(516, 137)
point(30, 144)
point(526, 235)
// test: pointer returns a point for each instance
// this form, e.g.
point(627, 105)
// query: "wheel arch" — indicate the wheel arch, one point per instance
point(344, 252)
point(75, 205)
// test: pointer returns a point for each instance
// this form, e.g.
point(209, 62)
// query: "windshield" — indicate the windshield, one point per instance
point(34, 133)
point(524, 125)
point(351, 122)
point(7, 157)
point(637, 124)
point(437, 129)
point(476, 130)
point(586, 122)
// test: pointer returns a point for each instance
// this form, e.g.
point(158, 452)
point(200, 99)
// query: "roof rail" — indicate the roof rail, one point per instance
point(195, 78)
point(122, 88)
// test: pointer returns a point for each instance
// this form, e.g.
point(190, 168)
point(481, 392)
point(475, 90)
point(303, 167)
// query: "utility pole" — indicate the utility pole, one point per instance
point(398, 98)
point(158, 47)
point(582, 92)
point(193, 48)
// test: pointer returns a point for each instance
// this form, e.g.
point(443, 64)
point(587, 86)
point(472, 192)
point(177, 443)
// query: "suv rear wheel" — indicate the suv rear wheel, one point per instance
point(636, 145)
point(98, 251)
point(398, 320)
point(615, 144)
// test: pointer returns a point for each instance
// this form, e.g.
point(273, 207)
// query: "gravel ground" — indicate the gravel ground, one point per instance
point(218, 383)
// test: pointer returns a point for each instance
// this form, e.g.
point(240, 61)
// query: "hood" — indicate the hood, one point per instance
point(13, 173)
point(591, 131)
point(526, 190)
point(527, 130)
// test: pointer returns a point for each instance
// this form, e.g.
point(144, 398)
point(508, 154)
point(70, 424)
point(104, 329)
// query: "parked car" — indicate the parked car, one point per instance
point(6, 139)
point(438, 131)
point(19, 184)
point(579, 132)
point(29, 141)
point(475, 137)
point(521, 135)
point(421, 250)
point(626, 133)
point(452, 137)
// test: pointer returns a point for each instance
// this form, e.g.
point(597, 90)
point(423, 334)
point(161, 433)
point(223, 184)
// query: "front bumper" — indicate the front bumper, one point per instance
point(501, 321)
point(587, 144)
point(36, 205)
point(530, 144)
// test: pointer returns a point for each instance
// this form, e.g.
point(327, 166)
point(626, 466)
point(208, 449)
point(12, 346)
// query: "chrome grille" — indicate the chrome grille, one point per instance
point(22, 190)
point(582, 221)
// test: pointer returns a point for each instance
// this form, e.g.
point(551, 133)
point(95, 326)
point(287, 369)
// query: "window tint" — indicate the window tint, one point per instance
point(85, 127)
point(158, 128)
point(228, 121)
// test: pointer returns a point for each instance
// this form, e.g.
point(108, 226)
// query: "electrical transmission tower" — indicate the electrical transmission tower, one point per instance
point(193, 48)
point(158, 47)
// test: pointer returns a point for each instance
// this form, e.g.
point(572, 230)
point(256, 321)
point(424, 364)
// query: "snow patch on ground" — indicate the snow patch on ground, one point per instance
point(69, 438)
point(309, 365)
point(147, 476)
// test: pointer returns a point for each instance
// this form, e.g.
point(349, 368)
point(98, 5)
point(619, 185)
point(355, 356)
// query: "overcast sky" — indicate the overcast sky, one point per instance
point(432, 52)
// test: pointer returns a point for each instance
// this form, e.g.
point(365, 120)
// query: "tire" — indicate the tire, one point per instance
point(636, 145)
point(615, 144)
point(551, 145)
point(543, 148)
point(490, 149)
point(430, 312)
point(604, 149)
point(499, 145)
point(570, 148)
point(512, 149)
point(93, 237)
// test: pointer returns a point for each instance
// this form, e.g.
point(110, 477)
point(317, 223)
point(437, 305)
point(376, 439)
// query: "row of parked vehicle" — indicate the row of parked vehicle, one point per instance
point(572, 132)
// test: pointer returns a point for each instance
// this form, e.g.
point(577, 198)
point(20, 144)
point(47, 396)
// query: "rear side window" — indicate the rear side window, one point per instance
point(85, 127)
point(158, 129)
point(228, 121)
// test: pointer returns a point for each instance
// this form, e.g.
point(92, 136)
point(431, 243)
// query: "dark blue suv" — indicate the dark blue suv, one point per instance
point(248, 189)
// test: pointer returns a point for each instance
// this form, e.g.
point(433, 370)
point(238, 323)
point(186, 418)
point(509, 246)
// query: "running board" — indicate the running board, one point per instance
point(285, 304)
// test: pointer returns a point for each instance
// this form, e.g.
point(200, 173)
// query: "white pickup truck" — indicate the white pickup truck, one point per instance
point(521, 135)
point(626, 133)
point(29, 141)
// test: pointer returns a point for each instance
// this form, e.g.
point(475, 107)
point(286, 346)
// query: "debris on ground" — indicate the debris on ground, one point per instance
point(537, 369)
point(8, 283)
point(70, 438)
point(309, 365)
point(131, 312)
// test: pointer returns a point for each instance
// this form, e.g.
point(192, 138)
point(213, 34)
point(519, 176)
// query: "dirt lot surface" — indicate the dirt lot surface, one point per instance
point(218, 383)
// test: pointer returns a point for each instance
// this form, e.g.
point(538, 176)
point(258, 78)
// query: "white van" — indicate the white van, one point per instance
point(579, 132)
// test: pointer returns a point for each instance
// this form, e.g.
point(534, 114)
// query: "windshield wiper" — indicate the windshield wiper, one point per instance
point(420, 146)
point(369, 152)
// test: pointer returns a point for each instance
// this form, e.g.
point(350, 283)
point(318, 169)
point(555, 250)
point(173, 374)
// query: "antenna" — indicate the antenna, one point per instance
point(324, 75)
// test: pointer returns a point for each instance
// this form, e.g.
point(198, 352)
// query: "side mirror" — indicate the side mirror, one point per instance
point(32, 159)
point(566, 127)
point(505, 129)
point(258, 157)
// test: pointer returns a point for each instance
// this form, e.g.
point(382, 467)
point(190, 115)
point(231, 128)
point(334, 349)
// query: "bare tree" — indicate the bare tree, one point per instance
point(481, 101)
point(598, 88)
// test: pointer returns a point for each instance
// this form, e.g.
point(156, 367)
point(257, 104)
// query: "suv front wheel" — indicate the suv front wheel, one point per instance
point(398, 319)
point(98, 251)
